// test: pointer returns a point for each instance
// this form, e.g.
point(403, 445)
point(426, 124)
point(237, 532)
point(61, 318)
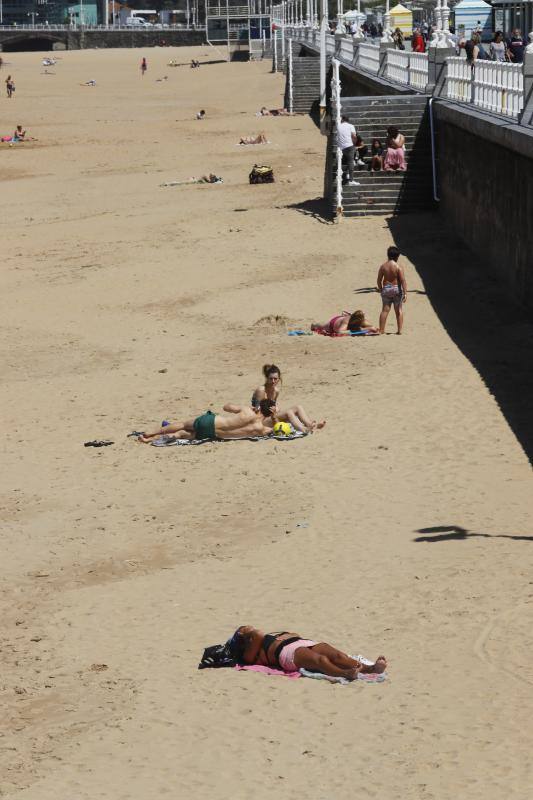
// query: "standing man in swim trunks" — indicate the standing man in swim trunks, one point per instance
point(237, 423)
point(393, 289)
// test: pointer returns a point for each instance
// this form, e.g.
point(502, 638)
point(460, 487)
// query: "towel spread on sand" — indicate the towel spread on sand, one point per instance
point(369, 677)
point(346, 333)
point(169, 441)
point(268, 670)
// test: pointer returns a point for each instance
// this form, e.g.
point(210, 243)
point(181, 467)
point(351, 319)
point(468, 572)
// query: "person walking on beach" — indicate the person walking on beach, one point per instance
point(10, 86)
point(144, 66)
point(346, 140)
point(393, 289)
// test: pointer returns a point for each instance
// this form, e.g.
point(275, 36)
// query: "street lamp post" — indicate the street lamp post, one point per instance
point(340, 9)
point(323, 27)
point(437, 33)
point(387, 33)
point(445, 17)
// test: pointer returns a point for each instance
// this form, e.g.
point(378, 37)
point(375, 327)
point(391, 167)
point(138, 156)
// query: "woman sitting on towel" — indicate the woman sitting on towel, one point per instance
point(271, 388)
point(267, 395)
point(345, 323)
point(289, 652)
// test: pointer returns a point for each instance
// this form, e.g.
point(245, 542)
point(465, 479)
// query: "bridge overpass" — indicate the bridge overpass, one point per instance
point(63, 37)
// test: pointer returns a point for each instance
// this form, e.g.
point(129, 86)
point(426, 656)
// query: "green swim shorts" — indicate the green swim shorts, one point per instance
point(204, 426)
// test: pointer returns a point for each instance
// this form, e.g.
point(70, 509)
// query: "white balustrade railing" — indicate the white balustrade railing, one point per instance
point(369, 57)
point(397, 66)
point(499, 87)
point(495, 86)
point(418, 70)
point(458, 79)
point(345, 51)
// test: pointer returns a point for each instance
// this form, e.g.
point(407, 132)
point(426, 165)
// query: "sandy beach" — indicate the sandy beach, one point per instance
point(403, 528)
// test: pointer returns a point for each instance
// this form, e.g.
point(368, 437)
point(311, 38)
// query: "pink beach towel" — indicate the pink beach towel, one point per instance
point(268, 670)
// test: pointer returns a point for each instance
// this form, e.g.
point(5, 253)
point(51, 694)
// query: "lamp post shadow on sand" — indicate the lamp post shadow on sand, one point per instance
point(448, 533)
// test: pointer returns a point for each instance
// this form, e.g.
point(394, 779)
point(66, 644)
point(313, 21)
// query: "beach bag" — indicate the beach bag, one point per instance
point(261, 174)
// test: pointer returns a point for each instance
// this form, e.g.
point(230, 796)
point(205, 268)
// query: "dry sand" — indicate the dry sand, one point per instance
point(123, 304)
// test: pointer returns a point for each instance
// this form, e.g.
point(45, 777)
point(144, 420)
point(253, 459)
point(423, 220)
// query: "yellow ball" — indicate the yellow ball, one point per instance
point(282, 429)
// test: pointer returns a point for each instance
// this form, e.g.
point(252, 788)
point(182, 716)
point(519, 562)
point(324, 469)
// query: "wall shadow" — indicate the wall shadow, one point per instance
point(317, 208)
point(490, 330)
point(450, 533)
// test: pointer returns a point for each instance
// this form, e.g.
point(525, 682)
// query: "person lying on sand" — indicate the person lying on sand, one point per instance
point(89, 83)
point(274, 112)
point(289, 652)
point(237, 422)
point(259, 139)
point(345, 323)
point(211, 178)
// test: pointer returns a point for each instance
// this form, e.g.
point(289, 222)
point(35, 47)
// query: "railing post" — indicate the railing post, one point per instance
point(323, 26)
point(289, 74)
point(340, 18)
point(437, 69)
point(384, 47)
point(336, 109)
point(526, 117)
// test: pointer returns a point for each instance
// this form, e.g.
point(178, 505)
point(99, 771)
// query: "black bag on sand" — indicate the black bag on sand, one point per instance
point(218, 655)
point(261, 174)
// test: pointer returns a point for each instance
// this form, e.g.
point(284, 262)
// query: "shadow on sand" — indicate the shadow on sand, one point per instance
point(317, 208)
point(492, 332)
point(447, 533)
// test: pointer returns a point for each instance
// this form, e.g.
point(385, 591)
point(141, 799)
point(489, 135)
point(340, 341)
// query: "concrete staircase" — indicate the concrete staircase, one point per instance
point(305, 84)
point(387, 192)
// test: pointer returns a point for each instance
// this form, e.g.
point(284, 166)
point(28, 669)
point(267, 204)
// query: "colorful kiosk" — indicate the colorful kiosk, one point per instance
point(472, 14)
point(402, 18)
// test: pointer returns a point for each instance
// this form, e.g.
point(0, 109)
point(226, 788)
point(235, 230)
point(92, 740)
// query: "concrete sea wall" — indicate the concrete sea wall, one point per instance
point(484, 178)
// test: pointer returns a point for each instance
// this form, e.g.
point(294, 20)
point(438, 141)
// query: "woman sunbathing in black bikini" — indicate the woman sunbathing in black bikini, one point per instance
point(289, 652)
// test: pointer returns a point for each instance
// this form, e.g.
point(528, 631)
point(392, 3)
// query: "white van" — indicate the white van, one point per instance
point(138, 22)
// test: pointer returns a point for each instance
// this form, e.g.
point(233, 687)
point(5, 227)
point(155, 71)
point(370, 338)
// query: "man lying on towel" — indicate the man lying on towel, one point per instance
point(238, 422)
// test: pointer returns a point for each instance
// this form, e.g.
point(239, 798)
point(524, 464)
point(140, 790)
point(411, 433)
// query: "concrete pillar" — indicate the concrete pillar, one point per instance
point(437, 69)
point(526, 117)
point(383, 47)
